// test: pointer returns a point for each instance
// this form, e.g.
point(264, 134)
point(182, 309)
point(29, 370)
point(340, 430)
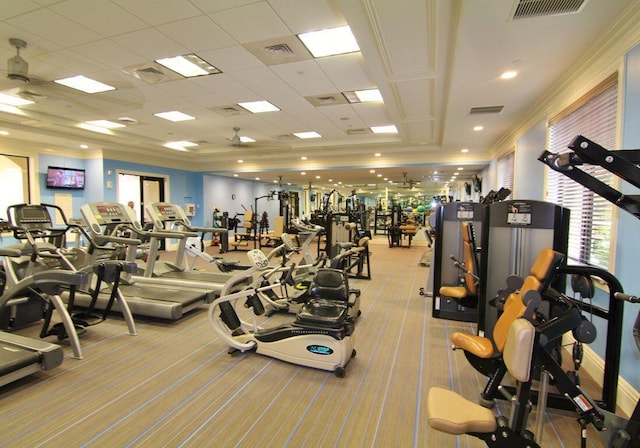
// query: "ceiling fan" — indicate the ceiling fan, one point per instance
point(236, 141)
point(18, 82)
point(407, 183)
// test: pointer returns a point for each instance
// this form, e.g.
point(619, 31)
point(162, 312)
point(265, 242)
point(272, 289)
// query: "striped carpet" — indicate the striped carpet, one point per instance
point(175, 385)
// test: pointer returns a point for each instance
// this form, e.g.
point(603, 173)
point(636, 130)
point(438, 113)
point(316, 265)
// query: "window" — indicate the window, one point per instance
point(14, 182)
point(593, 116)
point(505, 172)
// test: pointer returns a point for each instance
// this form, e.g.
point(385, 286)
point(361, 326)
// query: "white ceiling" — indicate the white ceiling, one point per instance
point(433, 60)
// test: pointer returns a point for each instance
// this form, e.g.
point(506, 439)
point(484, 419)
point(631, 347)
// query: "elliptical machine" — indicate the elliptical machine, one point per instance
point(320, 337)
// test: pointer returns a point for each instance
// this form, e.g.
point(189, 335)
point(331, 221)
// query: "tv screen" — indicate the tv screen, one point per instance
point(69, 178)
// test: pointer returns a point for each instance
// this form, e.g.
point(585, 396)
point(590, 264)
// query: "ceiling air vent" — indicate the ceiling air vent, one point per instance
point(149, 74)
point(486, 110)
point(230, 109)
point(279, 51)
point(526, 9)
point(359, 131)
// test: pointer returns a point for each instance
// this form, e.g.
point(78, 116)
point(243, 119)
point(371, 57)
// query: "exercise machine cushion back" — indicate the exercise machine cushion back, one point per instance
point(470, 287)
point(538, 279)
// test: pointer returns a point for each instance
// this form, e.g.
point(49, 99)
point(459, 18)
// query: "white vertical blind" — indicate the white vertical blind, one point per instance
point(505, 172)
point(594, 116)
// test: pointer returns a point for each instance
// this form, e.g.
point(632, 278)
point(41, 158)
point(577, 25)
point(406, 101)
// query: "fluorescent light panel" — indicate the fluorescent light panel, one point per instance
point(105, 124)
point(310, 134)
point(257, 107)
point(188, 65)
point(389, 129)
point(174, 115)
point(330, 42)
point(84, 84)
point(13, 100)
point(180, 145)
point(368, 95)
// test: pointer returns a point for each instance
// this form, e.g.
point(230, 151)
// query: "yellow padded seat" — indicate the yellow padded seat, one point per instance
point(449, 412)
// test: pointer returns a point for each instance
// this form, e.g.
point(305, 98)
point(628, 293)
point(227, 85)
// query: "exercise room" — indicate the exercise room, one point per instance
point(319, 223)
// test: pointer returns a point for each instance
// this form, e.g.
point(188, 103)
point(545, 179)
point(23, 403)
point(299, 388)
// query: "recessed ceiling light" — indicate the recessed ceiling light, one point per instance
point(460, 168)
point(465, 150)
point(13, 100)
point(235, 175)
point(240, 161)
point(330, 42)
point(378, 154)
point(174, 115)
point(310, 134)
point(372, 171)
point(330, 180)
point(317, 177)
point(303, 158)
point(84, 146)
point(478, 128)
point(4, 133)
point(257, 107)
point(389, 129)
point(379, 175)
point(303, 173)
point(105, 124)
point(510, 74)
point(188, 65)
point(84, 84)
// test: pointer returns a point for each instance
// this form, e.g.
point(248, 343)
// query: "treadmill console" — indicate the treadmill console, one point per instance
point(258, 259)
point(99, 215)
point(162, 212)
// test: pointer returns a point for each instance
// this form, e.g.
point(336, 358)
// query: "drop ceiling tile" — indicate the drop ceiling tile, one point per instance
point(305, 77)
point(197, 34)
point(251, 23)
point(209, 6)
point(346, 71)
point(308, 15)
point(109, 53)
point(12, 8)
point(64, 63)
point(156, 12)
point(52, 26)
point(231, 59)
point(150, 43)
point(101, 16)
point(257, 77)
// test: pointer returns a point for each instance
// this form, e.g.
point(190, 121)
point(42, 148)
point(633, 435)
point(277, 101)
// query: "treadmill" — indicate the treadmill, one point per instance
point(21, 356)
point(114, 223)
point(171, 218)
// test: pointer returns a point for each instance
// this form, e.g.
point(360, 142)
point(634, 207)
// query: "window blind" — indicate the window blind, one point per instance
point(505, 172)
point(591, 216)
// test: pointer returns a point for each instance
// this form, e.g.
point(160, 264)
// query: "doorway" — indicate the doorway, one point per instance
point(138, 190)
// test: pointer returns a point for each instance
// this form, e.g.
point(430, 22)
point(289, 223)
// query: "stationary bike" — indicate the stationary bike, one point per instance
point(320, 337)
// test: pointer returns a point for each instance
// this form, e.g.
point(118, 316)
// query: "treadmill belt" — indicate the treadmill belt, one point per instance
point(199, 276)
point(13, 358)
point(184, 297)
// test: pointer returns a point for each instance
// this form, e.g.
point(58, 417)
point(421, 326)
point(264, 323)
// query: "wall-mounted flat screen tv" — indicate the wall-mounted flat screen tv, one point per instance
point(68, 178)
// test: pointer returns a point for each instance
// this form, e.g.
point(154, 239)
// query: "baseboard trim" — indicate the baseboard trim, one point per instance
point(593, 365)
